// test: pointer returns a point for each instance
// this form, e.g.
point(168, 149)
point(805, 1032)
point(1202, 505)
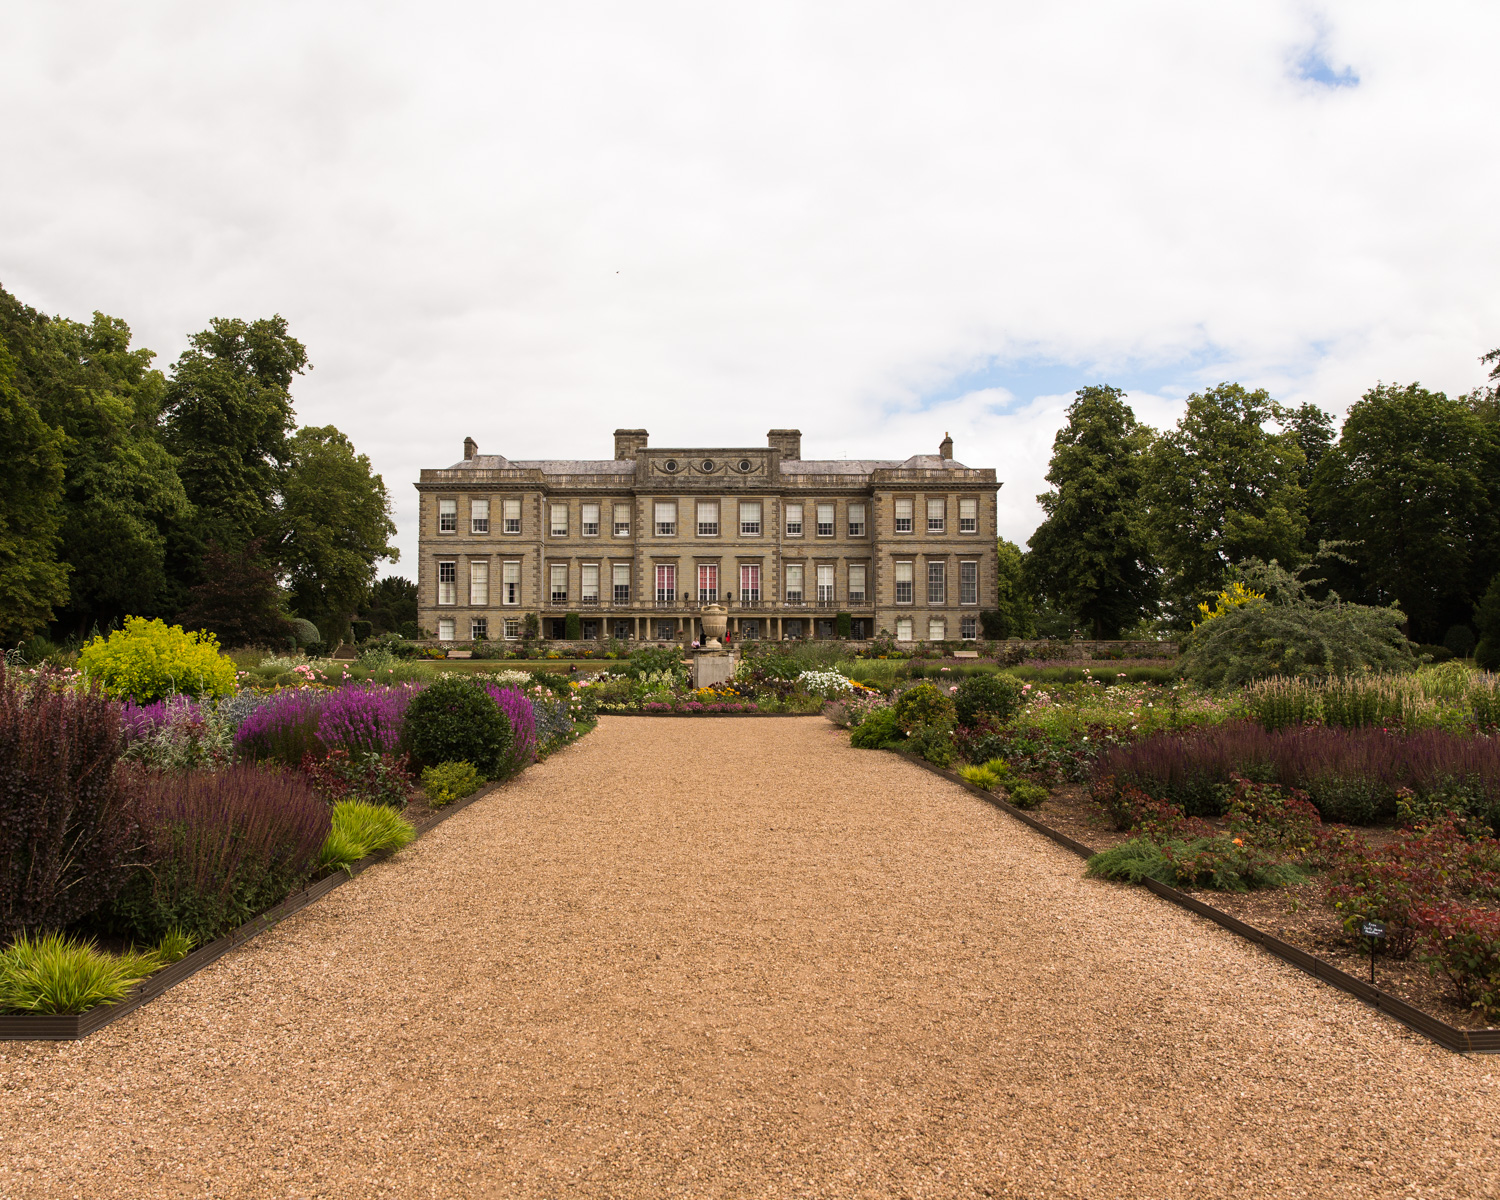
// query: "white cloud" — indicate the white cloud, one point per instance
point(535, 223)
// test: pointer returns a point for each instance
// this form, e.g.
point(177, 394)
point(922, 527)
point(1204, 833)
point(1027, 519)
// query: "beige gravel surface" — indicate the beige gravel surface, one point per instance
point(738, 958)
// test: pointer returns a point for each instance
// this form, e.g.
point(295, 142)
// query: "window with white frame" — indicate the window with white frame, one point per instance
point(666, 518)
point(510, 583)
point(749, 584)
point(664, 631)
point(825, 583)
point(588, 583)
point(937, 583)
point(968, 516)
point(903, 583)
point(447, 583)
point(622, 520)
point(512, 628)
point(903, 515)
point(708, 518)
point(794, 520)
point(968, 628)
point(479, 582)
point(794, 583)
point(827, 515)
point(558, 591)
point(588, 520)
point(856, 520)
point(968, 583)
point(620, 575)
point(750, 518)
point(903, 629)
point(445, 629)
point(559, 523)
point(937, 515)
point(937, 629)
point(856, 583)
point(510, 515)
point(666, 584)
point(447, 516)
point(708, 583)
point(479, 629)
point(479, 516)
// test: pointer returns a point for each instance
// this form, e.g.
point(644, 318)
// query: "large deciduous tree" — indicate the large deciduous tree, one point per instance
point(1224, 489)
point(32, 578)
point(1090, 556)
point(334, 525)
point(1413, 484)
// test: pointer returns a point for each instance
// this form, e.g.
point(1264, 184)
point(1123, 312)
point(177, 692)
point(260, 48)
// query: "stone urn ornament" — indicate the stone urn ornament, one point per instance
point(715, 624)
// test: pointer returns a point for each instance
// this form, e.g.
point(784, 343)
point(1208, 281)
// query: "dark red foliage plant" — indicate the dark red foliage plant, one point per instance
point(223, 846)
point(68, 828)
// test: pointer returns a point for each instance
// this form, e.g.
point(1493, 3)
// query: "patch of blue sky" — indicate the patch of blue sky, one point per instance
point(1313, 67)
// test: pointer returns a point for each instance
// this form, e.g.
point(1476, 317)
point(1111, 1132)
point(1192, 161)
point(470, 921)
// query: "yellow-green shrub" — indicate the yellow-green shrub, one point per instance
point(450, 781)
point(148, 660)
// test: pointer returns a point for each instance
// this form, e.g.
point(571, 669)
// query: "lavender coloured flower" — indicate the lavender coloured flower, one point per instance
point(284, 728)
point(518, 711)
point(143, 720)
point(365, 719)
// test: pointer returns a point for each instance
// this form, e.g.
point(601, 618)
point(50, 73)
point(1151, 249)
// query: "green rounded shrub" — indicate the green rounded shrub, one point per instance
point(149, 660)
point(450, 781)
point(1027, 795)
point(454, 720)
point(878, 731)
point(994, 696)
point(923, 705)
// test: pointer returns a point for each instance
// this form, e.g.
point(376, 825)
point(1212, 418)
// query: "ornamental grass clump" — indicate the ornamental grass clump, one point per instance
point(359, 829)
point(283, 728)
point(55, 973)
point(364, 719)
point(220, 847)
point(455, 720)
point(69, 831)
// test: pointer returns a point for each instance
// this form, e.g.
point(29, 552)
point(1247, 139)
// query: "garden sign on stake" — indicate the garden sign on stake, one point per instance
point(1373, 930)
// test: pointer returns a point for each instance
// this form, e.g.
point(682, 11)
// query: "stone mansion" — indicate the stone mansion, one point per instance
point(637, 545)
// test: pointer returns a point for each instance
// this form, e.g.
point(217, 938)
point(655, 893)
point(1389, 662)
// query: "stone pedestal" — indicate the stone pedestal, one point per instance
point(710, 668)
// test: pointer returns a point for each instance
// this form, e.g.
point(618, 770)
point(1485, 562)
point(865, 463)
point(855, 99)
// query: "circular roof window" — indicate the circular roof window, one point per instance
point(744, 464)
point(708, 464)
point(670, 466)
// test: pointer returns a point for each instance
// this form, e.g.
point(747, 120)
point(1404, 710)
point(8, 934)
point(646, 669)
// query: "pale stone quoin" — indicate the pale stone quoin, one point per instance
point(638, 545)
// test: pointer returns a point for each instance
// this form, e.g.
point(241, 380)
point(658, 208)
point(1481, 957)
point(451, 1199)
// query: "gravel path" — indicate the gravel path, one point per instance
point(739, 959)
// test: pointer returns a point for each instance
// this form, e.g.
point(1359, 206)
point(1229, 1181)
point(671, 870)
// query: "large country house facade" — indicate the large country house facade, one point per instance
point(638, 545)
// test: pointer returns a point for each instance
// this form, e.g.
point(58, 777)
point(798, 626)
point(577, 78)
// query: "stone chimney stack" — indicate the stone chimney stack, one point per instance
point(946, 449)
point(788, 441)
point(471, 447)
point(628, 442)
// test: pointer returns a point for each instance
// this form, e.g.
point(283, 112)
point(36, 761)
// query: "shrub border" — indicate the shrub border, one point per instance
point(604, 712)
point(1450, 1037)
point(64, 1027)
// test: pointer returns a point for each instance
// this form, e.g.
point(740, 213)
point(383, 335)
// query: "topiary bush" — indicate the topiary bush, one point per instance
point(455, 720)
point(924, 704)
point(150, 660)
point(994, 696)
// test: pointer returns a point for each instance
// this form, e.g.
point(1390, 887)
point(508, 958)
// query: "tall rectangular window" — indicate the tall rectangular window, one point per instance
point(510, 583)
point(749, 585)
point(968, 628)
point(558, 591)
point(937, 629)
point(479, 628)
point(622, 520)
point(857, 583)
point(511, 515)
point(447, 516)
point(937, 583)
point(479, 516)
point(445, 629)
point(825, 583)
point(968, 583)
point(856, 520)
point(588, 583)
point(588, 520)
point(827, 514)
point(620, 574)
point(666, 584)
point(666, 518)
point(559, 524)
point(750, 518)
point(903, 515)
point(479, 582)
point(794, 583)
point(708, 583)
point(903, 583)
point(512, 629)
point(903, 629)
point(968, 516)
point(447, 583)
point(708, 518)
point(937, 515)
point(794, 520)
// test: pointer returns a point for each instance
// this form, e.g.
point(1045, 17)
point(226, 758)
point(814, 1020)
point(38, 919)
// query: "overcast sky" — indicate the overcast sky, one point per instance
point(534, 223)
